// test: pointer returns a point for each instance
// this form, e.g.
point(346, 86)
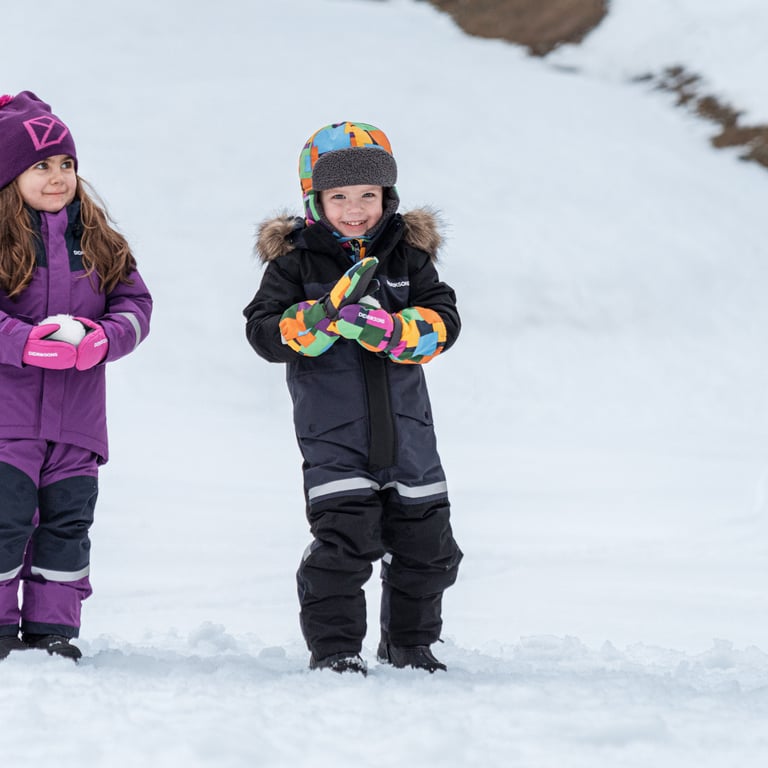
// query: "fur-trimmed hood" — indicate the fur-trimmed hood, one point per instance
point(423, 230)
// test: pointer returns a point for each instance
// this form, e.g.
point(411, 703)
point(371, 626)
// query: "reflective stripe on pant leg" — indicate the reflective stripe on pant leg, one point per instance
point(60, 561)
point(347, 486)
point(418, 494)
point(61, 547)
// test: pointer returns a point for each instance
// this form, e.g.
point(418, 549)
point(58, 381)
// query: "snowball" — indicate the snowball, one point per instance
point(71, 330)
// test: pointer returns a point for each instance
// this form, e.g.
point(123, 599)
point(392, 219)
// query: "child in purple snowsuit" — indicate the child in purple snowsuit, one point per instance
point(59, 256)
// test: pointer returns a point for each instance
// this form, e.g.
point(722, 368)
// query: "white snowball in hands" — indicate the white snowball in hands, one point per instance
point(71, 330)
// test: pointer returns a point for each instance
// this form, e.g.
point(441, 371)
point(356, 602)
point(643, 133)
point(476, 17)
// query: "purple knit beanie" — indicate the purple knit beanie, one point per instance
point(29, 133)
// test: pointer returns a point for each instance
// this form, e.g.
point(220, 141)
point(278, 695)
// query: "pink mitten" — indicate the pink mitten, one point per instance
point(93, 348)
point(43, 353)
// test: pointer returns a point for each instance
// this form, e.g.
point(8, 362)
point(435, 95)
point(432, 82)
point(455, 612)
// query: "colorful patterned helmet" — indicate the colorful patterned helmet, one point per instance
point(343, 154)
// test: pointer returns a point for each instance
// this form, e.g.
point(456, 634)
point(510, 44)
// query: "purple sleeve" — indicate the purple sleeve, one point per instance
point(126, 318)
point(13, 336)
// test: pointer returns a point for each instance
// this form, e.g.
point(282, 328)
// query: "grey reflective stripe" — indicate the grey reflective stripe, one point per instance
point(339, 486)
point(10, 575)
point(419, 491)
point(311, 547)
point(135, 323)
point(62, 576)
point(360, 483)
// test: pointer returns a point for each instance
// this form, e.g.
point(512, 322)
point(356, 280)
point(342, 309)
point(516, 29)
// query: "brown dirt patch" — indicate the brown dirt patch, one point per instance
point(687, 86)
point(540, 25)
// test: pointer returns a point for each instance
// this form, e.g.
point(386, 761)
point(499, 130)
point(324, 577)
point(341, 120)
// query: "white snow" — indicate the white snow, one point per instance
point(70, 329)
point(721, 42)
point(603, 419)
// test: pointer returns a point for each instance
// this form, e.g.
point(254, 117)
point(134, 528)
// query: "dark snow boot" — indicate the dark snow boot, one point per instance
point(340, 662)
point(415, 656)
point(56, 645)
point(10, 643)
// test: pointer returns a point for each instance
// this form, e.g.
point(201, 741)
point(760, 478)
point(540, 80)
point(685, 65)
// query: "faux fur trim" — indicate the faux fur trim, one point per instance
point(273, 236)
point(423, 230)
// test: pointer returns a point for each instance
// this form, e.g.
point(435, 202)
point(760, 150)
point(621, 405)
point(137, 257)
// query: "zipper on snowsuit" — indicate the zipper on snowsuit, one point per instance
point(382, 442)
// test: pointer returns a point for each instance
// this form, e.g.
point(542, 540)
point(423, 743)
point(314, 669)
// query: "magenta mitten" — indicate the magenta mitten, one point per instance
point(372, 327)
point(43, 353)
point(93, 348)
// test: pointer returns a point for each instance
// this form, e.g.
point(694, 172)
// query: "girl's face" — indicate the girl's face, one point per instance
point(353, 210)
point(49, 185)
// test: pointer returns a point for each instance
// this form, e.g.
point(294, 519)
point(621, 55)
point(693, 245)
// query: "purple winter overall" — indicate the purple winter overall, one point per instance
point(53, 434)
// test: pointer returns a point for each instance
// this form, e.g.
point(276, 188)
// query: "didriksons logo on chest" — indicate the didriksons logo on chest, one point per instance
point(398, 283)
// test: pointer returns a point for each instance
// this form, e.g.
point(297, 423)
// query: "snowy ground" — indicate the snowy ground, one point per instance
point(603, 420)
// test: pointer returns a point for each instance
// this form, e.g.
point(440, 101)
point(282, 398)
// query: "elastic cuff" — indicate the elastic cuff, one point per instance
point(38, 628)
point(397, 334)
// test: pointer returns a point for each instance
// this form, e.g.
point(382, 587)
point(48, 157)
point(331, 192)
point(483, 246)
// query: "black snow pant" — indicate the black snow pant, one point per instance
point(420, 559)
point(44, 544)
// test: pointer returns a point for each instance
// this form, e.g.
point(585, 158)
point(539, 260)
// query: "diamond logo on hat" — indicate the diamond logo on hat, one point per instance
point(46, 131)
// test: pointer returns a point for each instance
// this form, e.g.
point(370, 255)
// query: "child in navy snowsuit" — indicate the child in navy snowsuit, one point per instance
point(350, 299)
point(63, 270)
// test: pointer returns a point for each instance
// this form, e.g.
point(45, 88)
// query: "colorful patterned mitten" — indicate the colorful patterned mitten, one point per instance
point(351, 286)
point(422, 337)
point(304, 328)
point(413, 335)
point(371, 327)
point(309, 327)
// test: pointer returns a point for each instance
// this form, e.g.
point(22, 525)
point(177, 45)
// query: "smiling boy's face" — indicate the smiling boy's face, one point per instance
point(353, 210)
point(49, 185)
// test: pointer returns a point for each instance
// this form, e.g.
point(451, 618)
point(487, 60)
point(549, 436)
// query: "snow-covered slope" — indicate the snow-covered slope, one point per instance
point(602, 420)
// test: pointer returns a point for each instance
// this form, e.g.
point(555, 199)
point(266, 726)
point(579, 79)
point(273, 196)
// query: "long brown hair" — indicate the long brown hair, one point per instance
point(106, 252)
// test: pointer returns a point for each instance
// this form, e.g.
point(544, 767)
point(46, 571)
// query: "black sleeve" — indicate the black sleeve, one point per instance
point(276, 293)
point(427, 290)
